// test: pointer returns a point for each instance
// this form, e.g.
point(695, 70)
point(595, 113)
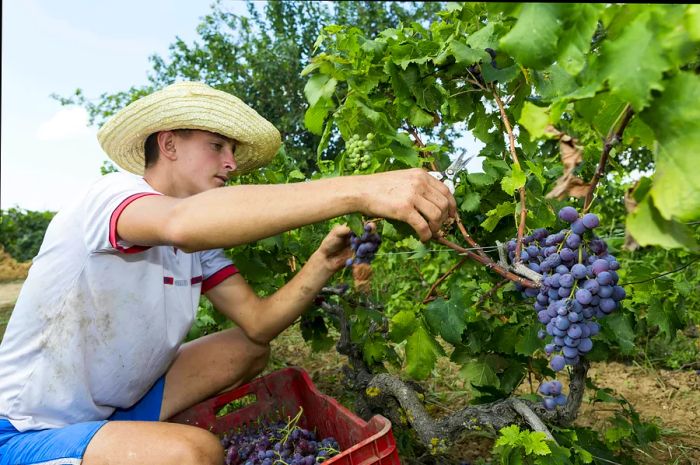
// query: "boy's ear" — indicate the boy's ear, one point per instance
point(166, 144)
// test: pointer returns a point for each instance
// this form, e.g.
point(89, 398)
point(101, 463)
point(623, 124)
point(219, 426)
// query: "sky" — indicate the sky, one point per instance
point(48, 153)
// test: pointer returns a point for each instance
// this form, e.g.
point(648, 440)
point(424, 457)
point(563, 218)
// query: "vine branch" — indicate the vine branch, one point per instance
point(613, 138)
point(516, 162)
point(442, 278)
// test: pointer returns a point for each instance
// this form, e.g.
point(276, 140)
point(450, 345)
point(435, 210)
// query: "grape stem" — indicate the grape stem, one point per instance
point(492, 291)
point(516, 162)
point(416, 138)
point(613, 138)
point(439, 281)
point(488, 262)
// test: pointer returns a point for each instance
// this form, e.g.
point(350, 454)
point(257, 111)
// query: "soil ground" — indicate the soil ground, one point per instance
point(671, 398)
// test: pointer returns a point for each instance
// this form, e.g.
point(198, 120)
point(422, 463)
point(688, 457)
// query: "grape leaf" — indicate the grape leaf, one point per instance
point(422, 351)
point(534, 442)
point(466, 55)
point(446, 318)
point(634, 63)
point(319, 86)
point(403, 324)
point(535, 119)
point(480, 179)
point(533, 40)
point(618, 327)
point(675, 119)
point(497, 214)
point(471, 202)
point(576, 42)
point(528, 342)
point(665, 314)
point(692, 22)
point(316, 115)
point(648, 227)
point(479, 373)
point(514, 181)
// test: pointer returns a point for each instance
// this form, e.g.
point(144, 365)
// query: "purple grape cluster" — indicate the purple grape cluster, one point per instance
point(551, 390)
point(277, 443)
point(579, 284)
point(364, 246)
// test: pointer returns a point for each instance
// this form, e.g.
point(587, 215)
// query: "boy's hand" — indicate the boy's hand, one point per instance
point(412, 196)
point(335, 248)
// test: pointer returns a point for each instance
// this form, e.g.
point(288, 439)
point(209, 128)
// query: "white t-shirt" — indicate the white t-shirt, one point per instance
point(98, 320)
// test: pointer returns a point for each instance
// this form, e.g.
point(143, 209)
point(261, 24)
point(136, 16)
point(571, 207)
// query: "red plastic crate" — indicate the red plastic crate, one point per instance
point(279, 395)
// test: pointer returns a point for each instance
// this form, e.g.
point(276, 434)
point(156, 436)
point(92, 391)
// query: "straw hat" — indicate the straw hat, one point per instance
point(188, 105)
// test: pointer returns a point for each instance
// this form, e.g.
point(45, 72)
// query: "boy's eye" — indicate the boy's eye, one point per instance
point(217, 146)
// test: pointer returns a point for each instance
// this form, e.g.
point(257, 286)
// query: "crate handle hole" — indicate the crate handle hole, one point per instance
point(237, 404)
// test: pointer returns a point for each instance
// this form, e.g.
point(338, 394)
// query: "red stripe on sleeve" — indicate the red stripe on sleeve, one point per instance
point(217, 277)
point(113, 240)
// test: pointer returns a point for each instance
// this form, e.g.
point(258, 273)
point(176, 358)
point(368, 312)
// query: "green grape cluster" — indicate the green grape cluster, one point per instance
point(357, 156)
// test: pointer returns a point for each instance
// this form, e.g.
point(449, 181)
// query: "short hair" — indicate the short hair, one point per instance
point(150, 147)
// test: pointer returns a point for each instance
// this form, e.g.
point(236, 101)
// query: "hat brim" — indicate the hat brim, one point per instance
point(189, 105)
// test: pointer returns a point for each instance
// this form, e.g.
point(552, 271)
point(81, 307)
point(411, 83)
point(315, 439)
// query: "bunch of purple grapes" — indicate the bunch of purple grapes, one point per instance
point(276, 443)
point(579, 284)
point(551, 390)
point(364, 246)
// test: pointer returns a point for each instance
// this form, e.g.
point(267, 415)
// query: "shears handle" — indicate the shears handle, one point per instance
point(445, 180)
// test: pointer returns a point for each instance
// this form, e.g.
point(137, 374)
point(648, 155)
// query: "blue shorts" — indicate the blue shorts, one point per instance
point(66, 446)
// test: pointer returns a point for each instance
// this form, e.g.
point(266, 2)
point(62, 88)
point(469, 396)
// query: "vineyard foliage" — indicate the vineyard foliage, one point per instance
point(568, 83)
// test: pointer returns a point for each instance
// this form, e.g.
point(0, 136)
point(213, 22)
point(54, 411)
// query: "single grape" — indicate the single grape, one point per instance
point(568, 214)
point(590, 220)
point(557, 363)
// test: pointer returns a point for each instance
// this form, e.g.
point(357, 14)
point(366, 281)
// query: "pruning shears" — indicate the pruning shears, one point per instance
point(449, 176)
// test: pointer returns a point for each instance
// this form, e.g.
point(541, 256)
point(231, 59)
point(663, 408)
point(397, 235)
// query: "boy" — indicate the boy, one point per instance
point(93, 357)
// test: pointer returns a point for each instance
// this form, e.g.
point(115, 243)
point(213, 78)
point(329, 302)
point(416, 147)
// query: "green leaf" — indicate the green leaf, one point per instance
point(319, 86)
point(373, 351)
point(403, 324)
point(422, 351)
point(648, 227)
point(692, 22)
point(509, 436)
point(619, 328)
point(634, 63)
point(533, 40)
point(316, 115)
point(528, 342)
point(536, 169)
point(666, 315)
point(446, 318)
point(674, 117)
point(480, 179)
point(479, 373)
point(601, 111)
point(465, 55)
point(494, 216)
point(576, 42)
point(535, 119)
point(471, 202)
point(355, 222)
point(420, 118)
point(535, 442)
point(514, 181)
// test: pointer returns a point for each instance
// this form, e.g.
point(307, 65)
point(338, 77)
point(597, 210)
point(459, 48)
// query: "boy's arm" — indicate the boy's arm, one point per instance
point(229, 216)
point(263, 319)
